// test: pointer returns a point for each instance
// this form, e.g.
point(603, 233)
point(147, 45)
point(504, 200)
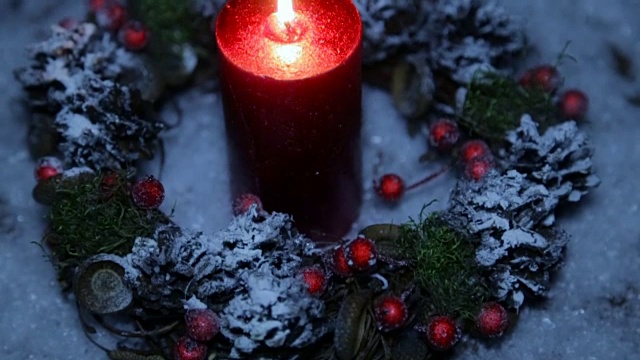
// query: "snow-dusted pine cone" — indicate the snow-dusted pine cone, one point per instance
point(470, 35)
point(391, 26)
point(248, 271)
point(72, 82)
point(508, 217)
point(560, 159)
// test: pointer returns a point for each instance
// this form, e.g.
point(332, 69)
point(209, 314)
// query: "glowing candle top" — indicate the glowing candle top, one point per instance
point(285, 40)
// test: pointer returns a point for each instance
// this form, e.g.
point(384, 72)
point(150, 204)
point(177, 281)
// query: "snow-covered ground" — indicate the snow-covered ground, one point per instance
point(594, 310)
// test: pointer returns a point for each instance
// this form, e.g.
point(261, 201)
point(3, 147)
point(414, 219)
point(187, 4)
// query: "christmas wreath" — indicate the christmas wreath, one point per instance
point(259, 288)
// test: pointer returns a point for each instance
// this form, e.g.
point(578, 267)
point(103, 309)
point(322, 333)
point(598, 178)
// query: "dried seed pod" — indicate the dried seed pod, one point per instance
point(99, 285)
point(350, 326)
point(130, 355)
point(177, 70)
point(385, 236)
point(43, 137)
point(45, 191)
point(412, 86)
point(381, 232)
point(410, 347)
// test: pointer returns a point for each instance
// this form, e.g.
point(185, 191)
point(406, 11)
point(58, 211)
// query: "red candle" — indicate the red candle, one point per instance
point(292, 94)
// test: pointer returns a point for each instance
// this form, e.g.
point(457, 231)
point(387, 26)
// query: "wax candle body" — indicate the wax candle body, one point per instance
point(293, 110)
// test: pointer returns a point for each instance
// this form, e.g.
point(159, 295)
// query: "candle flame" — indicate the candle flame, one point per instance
point(285, 11)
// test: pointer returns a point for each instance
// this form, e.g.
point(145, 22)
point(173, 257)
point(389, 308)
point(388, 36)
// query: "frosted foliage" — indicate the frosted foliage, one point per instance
point(470, 35)
point(389, 26)
point(248, 269)
point(74, 75)
point(561, 159)
point(507, 215)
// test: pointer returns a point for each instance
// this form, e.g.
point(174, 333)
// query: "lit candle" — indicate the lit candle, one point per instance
point(292, 89)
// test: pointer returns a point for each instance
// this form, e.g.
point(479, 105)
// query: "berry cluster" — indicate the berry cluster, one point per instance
point(474, 156)
point(572, 103)
point(442, 332)
point(146, 193)
point(113, 16)
point(355, 257)
point(202, 325)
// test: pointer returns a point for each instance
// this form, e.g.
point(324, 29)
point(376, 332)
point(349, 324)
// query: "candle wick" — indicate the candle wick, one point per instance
point(285, 31)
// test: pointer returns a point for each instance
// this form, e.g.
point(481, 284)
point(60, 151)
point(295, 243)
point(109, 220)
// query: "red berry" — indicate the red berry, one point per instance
point(148, 193)
point(202, 324)
point(474, 149)
point(189, 349)
point(339, 263)
point(477, 168)
point(134, 36)
point(444, 134)
point(545, 77)
point(442, 333)
point(573, 104)
point(68, 23)
point(492, 320)
point(244, 202)
point(391, 313)
point(111, 15)
point(96, 5)
point(390, 187)
point(108, 183)
point(47, 167)
point(315, 278)
point(361, 254)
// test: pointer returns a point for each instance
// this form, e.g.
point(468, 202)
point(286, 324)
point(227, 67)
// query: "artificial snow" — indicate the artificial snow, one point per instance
point(594, 306)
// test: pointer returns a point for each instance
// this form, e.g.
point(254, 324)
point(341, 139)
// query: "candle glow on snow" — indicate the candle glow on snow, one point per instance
point(291, 88)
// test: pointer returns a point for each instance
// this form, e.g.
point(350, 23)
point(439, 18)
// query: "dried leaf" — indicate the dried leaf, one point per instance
point(622, 63)
point(350, 326)
point(634, 99)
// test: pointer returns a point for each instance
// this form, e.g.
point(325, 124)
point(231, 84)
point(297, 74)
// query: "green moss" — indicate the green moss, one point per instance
point(89, 218)
point(171, 21)
point(174, 27)
point(444, 267)
point(494, 105)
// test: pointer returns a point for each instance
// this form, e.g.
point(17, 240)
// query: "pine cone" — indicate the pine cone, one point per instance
point(561, 159)
point(508, 215)
point(470, 35)
point(391, 26)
